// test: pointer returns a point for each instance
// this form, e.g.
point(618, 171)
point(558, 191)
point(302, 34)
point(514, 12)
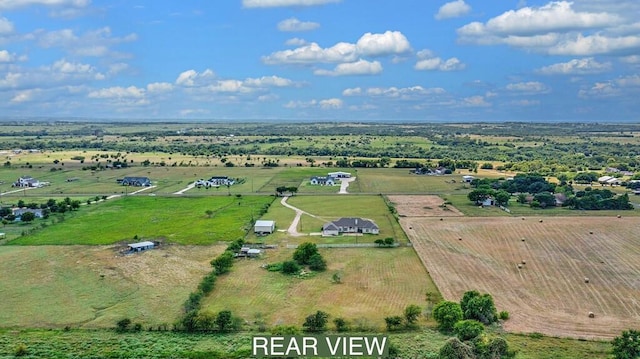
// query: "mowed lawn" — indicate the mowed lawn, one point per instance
point(94, 286)
point(176, 220)
point(376, 283)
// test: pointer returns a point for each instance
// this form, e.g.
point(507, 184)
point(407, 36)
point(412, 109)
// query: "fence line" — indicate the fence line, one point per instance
point(349, 245)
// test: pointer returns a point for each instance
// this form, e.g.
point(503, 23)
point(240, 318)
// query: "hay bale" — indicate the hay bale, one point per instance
point(592, 315)
point(619, 216)
point(442, 219)
point(460, 238)
point(523, 218)
point(523, 239)
point(524, 262)
point(586, 280)
point(519, 266)
point(540, 221)
point(590, 232)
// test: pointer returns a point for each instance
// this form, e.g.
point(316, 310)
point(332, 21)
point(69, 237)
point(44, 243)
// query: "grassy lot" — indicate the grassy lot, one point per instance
point(177, 220)
point(394, 180)
point(95, 286)
point(375, 284)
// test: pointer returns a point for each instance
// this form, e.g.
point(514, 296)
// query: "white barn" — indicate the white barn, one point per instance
point(141, 246)
point(263, 226)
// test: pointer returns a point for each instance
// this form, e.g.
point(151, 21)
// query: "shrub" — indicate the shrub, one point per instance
point(393, 323)
point(447, 314)
point(317, 263)
point(21, 350)
point(290, 267)
point(123, 325)
point(304, 252)
point(468, 329)
point(341, 325)
point(455, 349)
point(316, 323)
point(504, 315)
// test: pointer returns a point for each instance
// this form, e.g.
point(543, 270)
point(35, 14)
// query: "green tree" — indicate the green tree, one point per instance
point(455, 349)
point(393, 322)
point(317, 263)
point(341, 325)
point(468, 329)
point(502, 198)
point(123, 325)
point(223, 263)
point(290, 267)
point(27, 217)
point(479, 195)
point(479, 307)
point(304, 252)
point(411, 314)
point(627, 345)
point(389, 241)
point(223, 321)
point(447, 314)
point(316, 323)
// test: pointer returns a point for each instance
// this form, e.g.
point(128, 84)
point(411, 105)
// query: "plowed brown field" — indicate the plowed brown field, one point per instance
point(548, 294)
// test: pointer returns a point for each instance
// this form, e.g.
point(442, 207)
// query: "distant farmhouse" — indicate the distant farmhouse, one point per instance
point(215, 181)
point(608, 180)
point(438, 171)
point(140, 246)
point(323, 181)
point(330, 179)
point(350, 225)
point(264, 227)
point(27, 181)
point(135, 181)
point(468, 179)
point(18, 212)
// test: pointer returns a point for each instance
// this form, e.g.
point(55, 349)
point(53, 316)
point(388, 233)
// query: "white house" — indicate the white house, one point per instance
point(340, 174)
point(467, 179)
point(27, 181)
point(350, 225)
point(322, 181)
point(264, 227)
point(141, 246)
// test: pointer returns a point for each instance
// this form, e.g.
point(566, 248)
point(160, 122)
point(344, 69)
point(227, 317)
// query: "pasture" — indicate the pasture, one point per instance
point(376, 282)
point(182, 220)
point(94, 286)
point(549, 294)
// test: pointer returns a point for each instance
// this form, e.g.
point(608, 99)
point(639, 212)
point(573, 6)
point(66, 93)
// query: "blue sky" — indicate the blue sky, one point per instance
point(318, 60)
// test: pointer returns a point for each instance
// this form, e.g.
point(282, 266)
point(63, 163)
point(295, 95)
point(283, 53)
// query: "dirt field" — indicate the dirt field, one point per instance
point(548, 294)
point(422, 206)
point(93, 286)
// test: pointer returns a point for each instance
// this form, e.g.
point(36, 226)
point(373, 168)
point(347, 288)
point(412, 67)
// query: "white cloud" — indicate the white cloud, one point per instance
point(269, 81)
point(282, 3)
point(525, 103)
point(13, 4)
point(93, 43)
point(373, 45)
point(294, 25)
point(631, 59)
point(118, 92)
point(596, 44)
point(328, 104)
point(24, 96)
point(452, 9)
point(475, 101)
point(628, 81)
point(405, 93)
point(6, 56)
point(428, 62)
point(600, 90)
point(584, 66)
point(532, 87)
point(391, 42)
point(295, 42)
point(158, 87)
point(360, 67)
point(352, 91)
point(191, 78)
point(6, 26)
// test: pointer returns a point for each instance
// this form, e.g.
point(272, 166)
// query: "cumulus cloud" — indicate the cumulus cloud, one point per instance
point(428, 62)
point(6, 56)
point(14, 4)
point(24, 96)
point(584, 66)
point(295, 42)
point(404, 93)
point(525, 103)
point(371, 45)
point(360, 67)
point(295, 25)
point(559, 28)
point(352, 91)
point(92, 43)
point(6, 26)
point(158, 87)
point(283, 3)
point(269, 81)
point(628, 81)
point(475, 101)
point(600, 90)
point(118, 92)
point(192, 78)
point(327, 104)
point(531, 87)
point(453, 9)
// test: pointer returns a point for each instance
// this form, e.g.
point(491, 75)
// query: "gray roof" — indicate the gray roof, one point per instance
point(354, 222)
point(142, 244)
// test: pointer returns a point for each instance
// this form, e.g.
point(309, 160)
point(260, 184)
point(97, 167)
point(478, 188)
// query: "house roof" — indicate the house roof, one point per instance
point(329, 226)
point(354, 222)
point(265, 223)
point(141, 244)
point(254, 251)
point(332, 174)
point(142, 179)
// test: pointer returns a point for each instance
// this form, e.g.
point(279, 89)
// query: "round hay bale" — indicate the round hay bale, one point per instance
point(619, 216)
point(519, 266)
point(523, 218)
point(523, 239)
point(460, 238)
point(592, 315)
point(442, 219)
point(410, 227)
point(540, 221)
point(586, 280)
point(590, 232)
point(524, 262)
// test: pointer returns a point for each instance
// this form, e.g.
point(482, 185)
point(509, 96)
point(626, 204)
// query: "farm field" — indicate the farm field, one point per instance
point(95, 286)
point(548, 294)
point(177, 220)
point(376, 282)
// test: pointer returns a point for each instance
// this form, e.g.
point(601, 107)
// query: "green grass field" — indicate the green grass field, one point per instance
point(176, 220)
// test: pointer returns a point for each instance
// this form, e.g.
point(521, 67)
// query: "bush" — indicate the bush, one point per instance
point(504, 315)
point(393, 323)
point(317, 263)
point(447, 314)
point(316, 323)
point(341, 325)
point(123, 325)
point(290, 267)
point(304, 252)
point(455, 349)
point(468, 329)
point(21, 350)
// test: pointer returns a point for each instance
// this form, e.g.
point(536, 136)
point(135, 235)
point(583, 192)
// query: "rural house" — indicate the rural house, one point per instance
point(340, 174)
point(18, 212)
point(350, 225)
point(468, 179)
point(249, 252)
point(136, 181)
point(141, 246)
point(215, 181)
point(27, 181)
point(323, 181)
point(264, 227)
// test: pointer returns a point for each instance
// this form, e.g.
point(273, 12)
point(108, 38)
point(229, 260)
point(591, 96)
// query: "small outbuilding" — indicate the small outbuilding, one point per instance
point(264, 227)
point(141, 246)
